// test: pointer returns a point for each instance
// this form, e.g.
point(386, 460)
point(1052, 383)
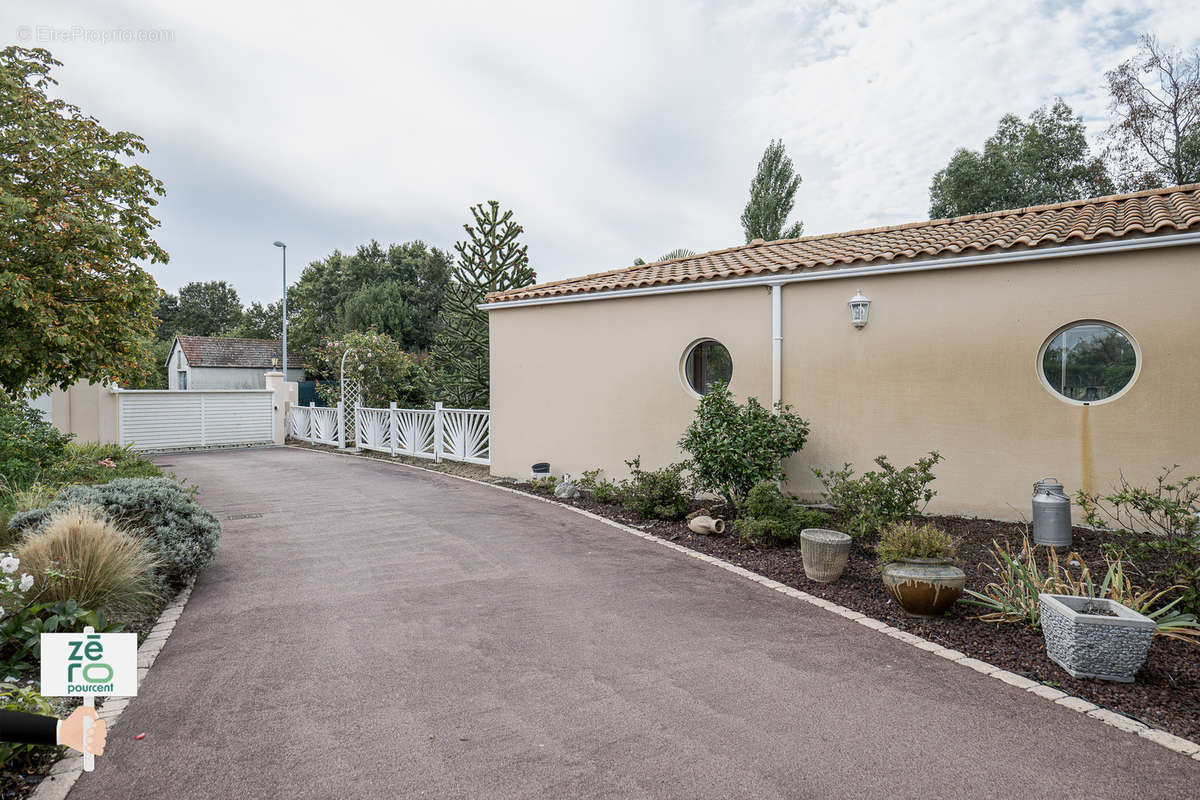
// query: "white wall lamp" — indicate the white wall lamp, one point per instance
point(859, 306)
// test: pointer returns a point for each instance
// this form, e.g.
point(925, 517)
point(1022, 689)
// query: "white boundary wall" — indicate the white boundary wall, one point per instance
point(148, 420)
point(167, 420)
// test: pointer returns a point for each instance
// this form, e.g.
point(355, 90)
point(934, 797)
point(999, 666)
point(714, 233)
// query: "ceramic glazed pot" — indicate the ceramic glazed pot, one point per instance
point(924, 587)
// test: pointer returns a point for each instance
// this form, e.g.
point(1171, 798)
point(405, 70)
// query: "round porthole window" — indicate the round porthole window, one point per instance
point(1088, 362)
point(707, 363)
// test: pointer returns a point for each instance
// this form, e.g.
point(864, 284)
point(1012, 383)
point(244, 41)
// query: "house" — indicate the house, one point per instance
point(217, 362)
point(1057, 340)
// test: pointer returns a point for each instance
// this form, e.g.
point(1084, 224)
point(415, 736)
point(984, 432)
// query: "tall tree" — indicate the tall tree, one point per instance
point(1044, 160)
point(397, 290)
point(261, 322)
point(167, 314)
point(75, 222)
point(491, 259)
point(208, 308)
point(1154, 139)
point(772, 195)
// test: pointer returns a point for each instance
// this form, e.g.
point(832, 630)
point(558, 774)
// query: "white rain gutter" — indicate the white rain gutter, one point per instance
point(777, 279)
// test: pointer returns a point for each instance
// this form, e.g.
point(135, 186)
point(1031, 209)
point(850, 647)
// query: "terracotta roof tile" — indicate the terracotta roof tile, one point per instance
point(224, 351)
point(1157, 211)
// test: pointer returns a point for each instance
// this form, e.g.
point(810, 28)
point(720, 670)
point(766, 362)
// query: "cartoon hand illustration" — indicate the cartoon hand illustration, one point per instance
point(71, 732)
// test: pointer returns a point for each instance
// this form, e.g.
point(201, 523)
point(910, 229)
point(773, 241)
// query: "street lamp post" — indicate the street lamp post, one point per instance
point(284, 246)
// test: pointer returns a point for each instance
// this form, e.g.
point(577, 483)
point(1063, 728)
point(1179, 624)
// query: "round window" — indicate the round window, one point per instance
point(1088, 362)
point(707, 363)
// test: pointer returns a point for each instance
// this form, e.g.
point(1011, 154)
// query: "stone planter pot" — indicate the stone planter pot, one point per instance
point(1090, 645)
point(824, 553)
point(924, 587)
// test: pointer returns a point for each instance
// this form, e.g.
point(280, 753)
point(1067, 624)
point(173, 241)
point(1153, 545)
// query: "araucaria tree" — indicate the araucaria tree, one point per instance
point(1044, 160)
point(772, 195)
point(491, 259)
point(74, 222)
point(1154, 139)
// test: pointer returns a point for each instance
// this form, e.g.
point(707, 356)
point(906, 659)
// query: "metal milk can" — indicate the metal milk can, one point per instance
point(1051, 514)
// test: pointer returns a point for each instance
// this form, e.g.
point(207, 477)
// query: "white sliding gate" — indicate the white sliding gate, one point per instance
point(168, 420)
point(456, 434)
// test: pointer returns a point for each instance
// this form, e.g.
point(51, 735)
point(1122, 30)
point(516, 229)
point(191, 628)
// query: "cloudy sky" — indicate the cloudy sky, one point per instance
point(615, 130)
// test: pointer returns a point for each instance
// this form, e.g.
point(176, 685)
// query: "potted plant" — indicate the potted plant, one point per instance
point(917, 564)
point(1095, 637)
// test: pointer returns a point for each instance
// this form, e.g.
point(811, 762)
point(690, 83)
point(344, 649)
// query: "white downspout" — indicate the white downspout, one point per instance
point(776, 344)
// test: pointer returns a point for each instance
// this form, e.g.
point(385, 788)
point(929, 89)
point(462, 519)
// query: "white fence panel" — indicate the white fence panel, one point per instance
point(298, 422)
point(324, 425)
point(372, 429)
point(466, 435)
point(167, 420)
point(414, 435)
point(457, 434)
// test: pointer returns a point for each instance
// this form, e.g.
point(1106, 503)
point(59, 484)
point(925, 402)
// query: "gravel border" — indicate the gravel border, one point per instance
point(62, 776)
point(1178, 744)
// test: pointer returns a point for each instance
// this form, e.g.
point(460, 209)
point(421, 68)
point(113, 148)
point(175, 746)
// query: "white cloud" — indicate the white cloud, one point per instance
point(617, 130)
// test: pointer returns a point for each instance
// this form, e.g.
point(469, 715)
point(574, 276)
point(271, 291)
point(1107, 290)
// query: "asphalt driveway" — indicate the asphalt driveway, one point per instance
point(372, 631)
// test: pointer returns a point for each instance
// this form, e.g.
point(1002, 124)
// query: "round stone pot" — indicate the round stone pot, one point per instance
point(924, 587)
point(824, 553)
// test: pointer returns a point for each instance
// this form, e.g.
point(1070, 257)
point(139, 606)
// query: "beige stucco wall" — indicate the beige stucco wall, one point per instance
point(88, 410)
point(948, 361)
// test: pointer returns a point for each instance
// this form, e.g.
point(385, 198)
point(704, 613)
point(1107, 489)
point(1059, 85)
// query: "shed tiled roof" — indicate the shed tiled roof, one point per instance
point(1168, 210)
point(222, 351)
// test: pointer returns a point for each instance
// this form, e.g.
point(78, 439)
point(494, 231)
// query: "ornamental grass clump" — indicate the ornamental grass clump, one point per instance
point(180, 533)
point(902, 540)
point(78, 554)
point(770, 518)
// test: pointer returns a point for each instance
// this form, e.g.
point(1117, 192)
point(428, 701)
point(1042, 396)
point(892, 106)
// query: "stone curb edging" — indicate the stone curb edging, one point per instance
point(62, 776)
point(1178, 744)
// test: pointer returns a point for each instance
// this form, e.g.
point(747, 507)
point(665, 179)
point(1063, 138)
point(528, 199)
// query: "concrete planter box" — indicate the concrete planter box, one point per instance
point(1094, 645)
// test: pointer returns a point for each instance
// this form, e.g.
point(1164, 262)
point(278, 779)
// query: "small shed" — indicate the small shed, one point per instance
point(220, 362)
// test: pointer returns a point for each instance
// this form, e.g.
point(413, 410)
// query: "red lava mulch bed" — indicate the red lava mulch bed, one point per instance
point(1165, 695)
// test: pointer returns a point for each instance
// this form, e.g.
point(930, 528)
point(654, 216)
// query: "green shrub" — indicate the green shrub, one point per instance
point(101, 565)
point(769, 518)
point(878, 498)
point(13, 501)
point(906, 540)
point(733, 447)
point(1165, 510)
point(29, 445)
point(177, 529)
point(544, 485)
point(601, 490)
point(20, 631)
point(657, 494)
point(17, 759)
point(100, 463)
